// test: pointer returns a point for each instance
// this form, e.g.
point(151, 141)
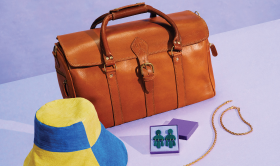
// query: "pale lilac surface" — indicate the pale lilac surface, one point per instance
point(246, 71)
point(28, 28)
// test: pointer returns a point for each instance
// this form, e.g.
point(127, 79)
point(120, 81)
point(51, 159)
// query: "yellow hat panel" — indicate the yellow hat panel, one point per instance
point(40, 157)
point(66, 112)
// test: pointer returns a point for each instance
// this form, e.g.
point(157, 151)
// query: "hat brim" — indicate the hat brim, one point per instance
point(107, 151)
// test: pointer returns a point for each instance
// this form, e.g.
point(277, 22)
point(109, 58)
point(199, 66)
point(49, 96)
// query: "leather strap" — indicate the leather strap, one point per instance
point(180, 79)
point(101, 18)
point(125, 12)
point(153, 15)
point(141, 50)
point(213, 49)
point(115, 94)
point(98, 20)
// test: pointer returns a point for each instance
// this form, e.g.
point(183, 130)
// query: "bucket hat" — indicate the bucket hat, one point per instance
point(69, 133)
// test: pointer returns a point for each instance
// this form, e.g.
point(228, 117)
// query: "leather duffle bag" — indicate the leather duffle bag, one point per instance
point(137, 69)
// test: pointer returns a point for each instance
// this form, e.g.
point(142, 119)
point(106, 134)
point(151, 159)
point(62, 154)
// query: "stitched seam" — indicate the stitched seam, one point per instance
point(176, 81)
point(153, 98)
point(184, 82)
point(133, 57)
point(119, 97)
point(208, 56)
point(60, 72)
point(176, 78)
point(146, 103)
point(113, 112)
point(64, 62)
point(72, 83)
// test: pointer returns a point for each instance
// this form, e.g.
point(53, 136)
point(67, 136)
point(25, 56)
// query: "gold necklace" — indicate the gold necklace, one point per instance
point(215, 131)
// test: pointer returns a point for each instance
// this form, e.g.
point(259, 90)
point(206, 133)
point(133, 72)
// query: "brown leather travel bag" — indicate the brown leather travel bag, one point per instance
point(137, 69)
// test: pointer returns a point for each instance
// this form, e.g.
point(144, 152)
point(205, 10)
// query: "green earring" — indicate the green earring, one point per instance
point(170, 139)
point(158, 139)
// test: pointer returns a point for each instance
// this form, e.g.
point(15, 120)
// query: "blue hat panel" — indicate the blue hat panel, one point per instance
point(109, 150)
point(61, 139)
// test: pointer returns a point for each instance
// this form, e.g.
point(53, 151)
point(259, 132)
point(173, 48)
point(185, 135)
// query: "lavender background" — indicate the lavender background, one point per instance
point(28, 28)
point(246, 71)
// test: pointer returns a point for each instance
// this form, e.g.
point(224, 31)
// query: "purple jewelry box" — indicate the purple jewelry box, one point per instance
point(185, 128)
point(167, 150)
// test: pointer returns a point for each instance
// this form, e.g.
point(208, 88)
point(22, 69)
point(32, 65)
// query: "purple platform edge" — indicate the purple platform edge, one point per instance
point(185, 128)
point(165, 151)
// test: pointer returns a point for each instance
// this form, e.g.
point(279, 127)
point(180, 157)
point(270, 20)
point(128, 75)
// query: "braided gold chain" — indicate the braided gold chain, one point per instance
point(215, 131)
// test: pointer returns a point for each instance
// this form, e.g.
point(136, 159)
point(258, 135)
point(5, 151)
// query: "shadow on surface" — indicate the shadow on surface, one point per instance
point(138, 142)
point(166, 123)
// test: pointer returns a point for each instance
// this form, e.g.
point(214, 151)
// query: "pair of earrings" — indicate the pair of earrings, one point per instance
point(169, 139)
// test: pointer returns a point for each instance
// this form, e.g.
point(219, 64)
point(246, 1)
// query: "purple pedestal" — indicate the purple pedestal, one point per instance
point(185, 128)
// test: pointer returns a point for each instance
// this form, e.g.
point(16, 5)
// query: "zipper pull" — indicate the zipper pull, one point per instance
point(213, 49)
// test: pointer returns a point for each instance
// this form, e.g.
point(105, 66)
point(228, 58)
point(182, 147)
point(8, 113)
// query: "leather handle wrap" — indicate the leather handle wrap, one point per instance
point(122, 10)
point(127, 6)
point(129, 12)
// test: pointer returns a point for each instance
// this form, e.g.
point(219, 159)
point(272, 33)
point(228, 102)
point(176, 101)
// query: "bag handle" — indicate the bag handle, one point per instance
point(101, 18)
point(98, 20)
point(127, 11)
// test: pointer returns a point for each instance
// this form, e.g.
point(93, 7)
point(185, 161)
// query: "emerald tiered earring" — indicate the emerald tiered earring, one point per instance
point(170, 139)
point(158, 139)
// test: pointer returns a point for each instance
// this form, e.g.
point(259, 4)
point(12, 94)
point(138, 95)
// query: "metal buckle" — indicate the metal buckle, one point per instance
point(105, 67)
point(196, 12)
point(147, 64)
point(172, 51)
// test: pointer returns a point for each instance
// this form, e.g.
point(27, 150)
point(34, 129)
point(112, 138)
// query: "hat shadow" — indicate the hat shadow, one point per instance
point(138, 142)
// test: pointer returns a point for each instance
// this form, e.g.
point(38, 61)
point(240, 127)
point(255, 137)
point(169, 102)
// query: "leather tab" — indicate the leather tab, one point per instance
point(127, 6)
point(149, 95)
point(213, 49)
point(115, 96)
point(129, 12)
point(180, 79)
point(141, 50)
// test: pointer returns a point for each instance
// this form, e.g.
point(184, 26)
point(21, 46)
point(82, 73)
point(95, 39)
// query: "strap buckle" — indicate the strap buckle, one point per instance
point(172, 51)
point(147, 64)
point(114, 67)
